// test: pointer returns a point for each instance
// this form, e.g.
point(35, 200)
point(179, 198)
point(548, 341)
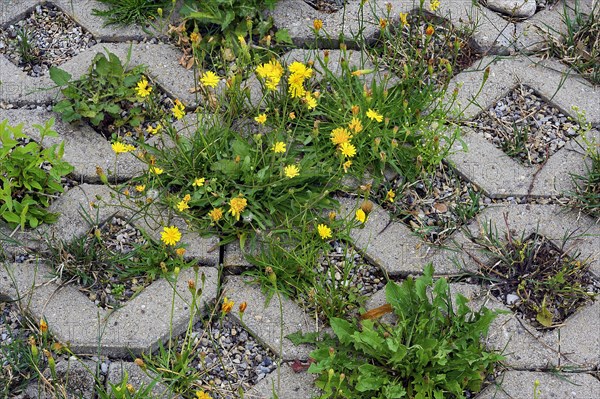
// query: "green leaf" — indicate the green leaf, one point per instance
point(544, 317)
point(342, 329)
point(60, 77)
point(299, 338)
point(283, 36)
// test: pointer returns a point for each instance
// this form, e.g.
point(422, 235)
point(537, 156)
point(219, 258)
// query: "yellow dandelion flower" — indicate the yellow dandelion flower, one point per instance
point(278, 147)
point(347, 165)
point(383, 23)
point(180, 251)
point(271, 73)
point(209, 79)
point(300, 70)
point(198, 182)
point(361, 216)
point(140, 188)
point(202, 395)
point(156, 170)
point(292, 115)
point(310, 101)
point(187, 197)
point(296, 86)
point(237, 206)
point(178, 110)
point(170, 235)
point(142, 89)
point(227, 305)
point(119, 147)
point(340, 135)
point(318, 24)
point(194, 37)
point(356, 125)
point(348, 150)
point(216, 214)
point(154, 130)
point(182, 205)
point(291, 171)
point(261, 118)
point(434, 5)
point(430, 30)
point(390, 196)
point(324, 231)
point(404, 19)
point(374, 115)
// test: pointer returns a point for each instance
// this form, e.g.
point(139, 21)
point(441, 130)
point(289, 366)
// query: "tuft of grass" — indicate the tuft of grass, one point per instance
point(130, 12)
point(579, 46)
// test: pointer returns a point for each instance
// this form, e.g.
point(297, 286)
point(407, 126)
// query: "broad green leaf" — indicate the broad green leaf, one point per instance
point(60, 77)
point(283, 36)
point(342, 329)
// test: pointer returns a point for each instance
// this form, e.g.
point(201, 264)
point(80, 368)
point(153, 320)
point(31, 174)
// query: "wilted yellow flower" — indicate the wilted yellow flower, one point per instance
point(119, 147)
point(279, 147)
point(404, 19)
point(243, 307)
point(318, 24)
point(198, 182)
point(194, 37)
point(43, 326)
point(170, 235)
point(178, 110)
point(434, 4)
point(140, 363)
point(340, 135)
point(348, 150)
point(237, 206)
point(374, 115)
point(324, 231)
point(291, 171)
point(180, 251)
point(292, 115)
point(142, 89)
point(216, 214)
point(154, 130)
point(383, 23)
point(429, 31)
point(390, 196)
point(347, 165)
point(355, 125)
point(210, 79)
point(261, 118)
point(227, 305)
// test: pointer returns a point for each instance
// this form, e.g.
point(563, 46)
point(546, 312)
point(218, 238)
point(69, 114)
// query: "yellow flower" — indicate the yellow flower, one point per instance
point(194, 37)
point(348, 150)
point(383, 23)
point(324, 231)
point(156, 170)
point(227, 305)
point(119, 147)
point(310, 101)
point(170, 235)
point(180, 251)
point(340, 135)
point(271, 73)
point(404, 19)
point(347, 165)
point(178, 110)
point(355, 125)
point(237, 206)
point(140, 188)
point(296, 86)
point(374, 115)
point(216, 214)
point(318, 24)
point(202, 395)
point(261, 118)
point(390, 196)
point(182, 205)
point(291, 171)
point(154, 130)
point(278, 147)
point(434, 4)
point(210, 79)
point(292, 115)
point(429, 31)
point(355, 110)
point(142, 89)
point(361, 216)
point(43, 326)
point(300, 70)
point(198, 182)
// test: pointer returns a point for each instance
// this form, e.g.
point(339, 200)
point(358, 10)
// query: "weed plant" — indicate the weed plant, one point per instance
point(579, 46)
point(129, 12)
point(433, 350)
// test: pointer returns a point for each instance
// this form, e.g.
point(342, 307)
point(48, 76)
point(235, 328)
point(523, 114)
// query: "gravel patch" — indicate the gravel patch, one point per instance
point(48, 37)
point(525, 126)
point(228, 358)
point(327, 6)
